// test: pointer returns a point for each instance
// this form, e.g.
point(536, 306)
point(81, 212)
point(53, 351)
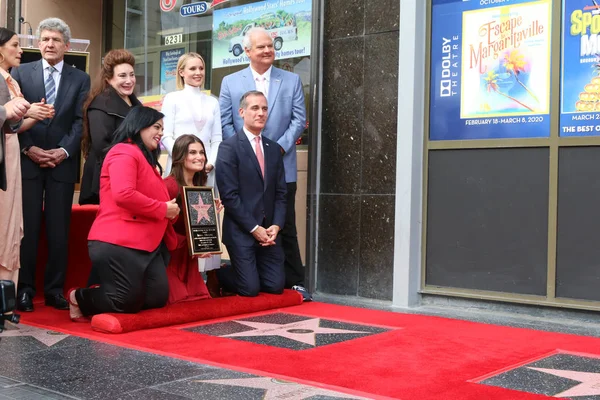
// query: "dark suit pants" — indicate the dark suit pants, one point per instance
point(253, 269)
point(53, 199)
point(294, 270)
point(130, 280)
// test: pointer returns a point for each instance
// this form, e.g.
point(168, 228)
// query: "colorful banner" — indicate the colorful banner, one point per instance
point(580, 69)
point(168, 69)
point(490, 69)
point(287, 21)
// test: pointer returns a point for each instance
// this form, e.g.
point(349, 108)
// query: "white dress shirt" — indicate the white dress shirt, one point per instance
point(262, 80)
point(252, 141)
point(56, 76)
point(251, 138)
point(191, 111)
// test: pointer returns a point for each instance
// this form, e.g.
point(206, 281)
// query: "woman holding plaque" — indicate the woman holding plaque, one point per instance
point(190, 110)
point(188, 169)
point(132, 234)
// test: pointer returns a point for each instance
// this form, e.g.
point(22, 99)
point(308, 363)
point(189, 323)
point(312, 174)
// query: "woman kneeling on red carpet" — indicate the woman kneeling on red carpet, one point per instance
point(188, 169)
point(130, 238)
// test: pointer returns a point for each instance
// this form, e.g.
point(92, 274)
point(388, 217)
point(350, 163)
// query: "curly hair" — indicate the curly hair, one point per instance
point(111, 60)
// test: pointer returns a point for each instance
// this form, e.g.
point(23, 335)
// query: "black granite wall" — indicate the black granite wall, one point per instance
point(360, 98)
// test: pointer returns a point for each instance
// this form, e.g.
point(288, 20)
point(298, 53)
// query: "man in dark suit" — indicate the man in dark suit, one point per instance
point(251, 181)
point(286, 122)
point(49, 161)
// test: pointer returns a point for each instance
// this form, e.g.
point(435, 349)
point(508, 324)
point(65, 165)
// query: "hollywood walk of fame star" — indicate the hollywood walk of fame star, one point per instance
point(302, 331)
point(280, 389)
point(45, 336)
point(202, 210)
point(589, 386)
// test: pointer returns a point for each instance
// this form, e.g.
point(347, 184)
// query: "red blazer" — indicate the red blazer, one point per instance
point(132, 210)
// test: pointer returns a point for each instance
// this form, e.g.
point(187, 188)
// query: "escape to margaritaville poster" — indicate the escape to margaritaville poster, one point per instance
point(490, 69)
point(580, 69)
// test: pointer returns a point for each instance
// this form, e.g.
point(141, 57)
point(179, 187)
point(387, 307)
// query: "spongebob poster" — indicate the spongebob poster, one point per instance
point(490, 69)
point(580, 62)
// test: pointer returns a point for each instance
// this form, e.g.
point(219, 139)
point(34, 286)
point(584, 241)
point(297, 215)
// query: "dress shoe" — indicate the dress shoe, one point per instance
point(57, 301)
point(212, 284)
point(306, 296)
point(25, 302)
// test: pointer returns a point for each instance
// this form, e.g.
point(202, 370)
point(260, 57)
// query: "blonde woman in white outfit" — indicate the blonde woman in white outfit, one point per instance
point(191, 111)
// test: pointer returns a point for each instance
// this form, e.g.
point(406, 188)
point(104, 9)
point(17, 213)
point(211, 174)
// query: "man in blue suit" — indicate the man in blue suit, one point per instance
point(250, 177)
point(50, 161)
point(285, 123)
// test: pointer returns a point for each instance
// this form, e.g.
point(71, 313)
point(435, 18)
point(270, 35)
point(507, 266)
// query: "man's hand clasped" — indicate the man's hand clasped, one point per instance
point(266, 237)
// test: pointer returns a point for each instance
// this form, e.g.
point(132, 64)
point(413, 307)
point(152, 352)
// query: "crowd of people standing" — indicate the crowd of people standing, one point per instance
point(242, 145)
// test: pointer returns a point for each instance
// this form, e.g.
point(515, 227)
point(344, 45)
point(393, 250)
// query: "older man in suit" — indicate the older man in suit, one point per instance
point(285, 123)
point(50, 161)
point(250, 176)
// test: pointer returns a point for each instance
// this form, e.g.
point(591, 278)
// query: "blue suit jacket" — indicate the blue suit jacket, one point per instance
point(287, 112)
point(249, 200)
point(64, 130)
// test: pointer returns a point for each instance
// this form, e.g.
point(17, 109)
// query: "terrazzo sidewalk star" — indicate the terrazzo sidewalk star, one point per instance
point(589, 386)
point(302, 331)
point(277, 389)
point(49, 338)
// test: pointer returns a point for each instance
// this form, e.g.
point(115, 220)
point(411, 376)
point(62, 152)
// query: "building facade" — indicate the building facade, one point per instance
point(444, 154)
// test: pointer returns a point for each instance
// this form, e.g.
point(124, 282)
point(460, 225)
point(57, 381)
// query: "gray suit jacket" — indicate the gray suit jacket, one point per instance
point(286, 118)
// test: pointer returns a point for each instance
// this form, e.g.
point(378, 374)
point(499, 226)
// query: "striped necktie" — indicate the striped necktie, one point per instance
point(50, 86)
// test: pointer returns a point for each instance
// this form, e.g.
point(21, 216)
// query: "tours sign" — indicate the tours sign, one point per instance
point(490, 69)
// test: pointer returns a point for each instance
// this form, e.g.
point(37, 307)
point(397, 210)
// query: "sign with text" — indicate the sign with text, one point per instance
point(201, 222)
point(490, 69)
point(189, 10)
point(580, 69)
point(287, 21)
point(168, 69)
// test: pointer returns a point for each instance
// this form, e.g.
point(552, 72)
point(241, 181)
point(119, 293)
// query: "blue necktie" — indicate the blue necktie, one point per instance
point(50, 86)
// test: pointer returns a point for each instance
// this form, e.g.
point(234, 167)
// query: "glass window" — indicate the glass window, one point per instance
point(158, 32)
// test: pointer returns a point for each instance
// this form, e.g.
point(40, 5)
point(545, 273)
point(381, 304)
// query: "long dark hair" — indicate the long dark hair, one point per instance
point(139, 117)
point(180, 152)
point(5, 35)
point(111, 60)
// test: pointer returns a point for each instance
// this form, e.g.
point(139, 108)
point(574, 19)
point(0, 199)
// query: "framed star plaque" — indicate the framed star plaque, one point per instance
point(201, 220)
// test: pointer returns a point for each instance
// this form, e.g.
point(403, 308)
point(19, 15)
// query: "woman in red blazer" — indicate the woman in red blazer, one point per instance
point(130, 237)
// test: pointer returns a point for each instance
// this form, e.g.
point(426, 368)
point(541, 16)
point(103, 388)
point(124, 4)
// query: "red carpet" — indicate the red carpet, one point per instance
point(420, 357)
point(193, 311)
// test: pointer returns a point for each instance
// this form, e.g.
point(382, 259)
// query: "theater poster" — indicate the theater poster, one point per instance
point(289, 22)
point(490, 69)
point(580, 69)
point(168, 69)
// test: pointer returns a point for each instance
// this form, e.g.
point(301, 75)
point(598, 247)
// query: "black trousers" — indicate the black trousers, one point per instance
point(294, 270)
point(130, 280)
point(45, 196)
point(253, 269)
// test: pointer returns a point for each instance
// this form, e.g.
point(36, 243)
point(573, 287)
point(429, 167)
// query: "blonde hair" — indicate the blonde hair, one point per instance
point(181, 66)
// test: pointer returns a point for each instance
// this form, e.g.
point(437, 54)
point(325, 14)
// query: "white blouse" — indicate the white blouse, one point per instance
point(190, 111)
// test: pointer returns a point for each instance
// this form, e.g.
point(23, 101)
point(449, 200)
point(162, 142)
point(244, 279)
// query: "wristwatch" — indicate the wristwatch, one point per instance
point(25, 150)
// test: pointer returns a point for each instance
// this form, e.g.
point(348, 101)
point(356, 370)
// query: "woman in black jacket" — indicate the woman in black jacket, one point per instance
point(108, 103)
